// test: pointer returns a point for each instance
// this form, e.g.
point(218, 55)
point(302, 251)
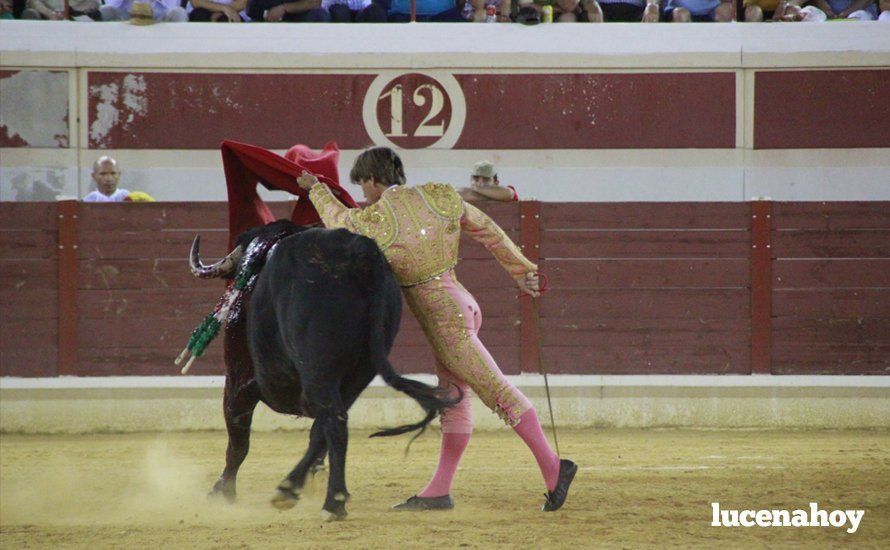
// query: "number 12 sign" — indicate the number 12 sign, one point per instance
point(415, 110)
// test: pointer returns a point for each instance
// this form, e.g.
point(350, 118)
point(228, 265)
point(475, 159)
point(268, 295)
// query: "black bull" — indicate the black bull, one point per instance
point(317, 328)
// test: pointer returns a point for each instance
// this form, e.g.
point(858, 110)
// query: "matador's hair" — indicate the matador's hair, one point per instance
point(381, 163)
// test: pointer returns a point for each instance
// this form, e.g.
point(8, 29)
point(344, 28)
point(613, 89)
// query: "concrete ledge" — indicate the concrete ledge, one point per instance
point(124, 404)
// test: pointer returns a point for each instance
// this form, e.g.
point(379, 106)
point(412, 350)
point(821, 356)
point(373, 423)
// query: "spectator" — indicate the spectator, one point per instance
point(299, 11)
point(7, 9)
point(627, 11)
point(484, 185)
point(863, 10)
point(54, 10)
point(475, 10)
point(358, 11)
point(107, 176)
point(564, 11)
point(138, 12)
point(218, 11)
point(688, 11)
point(426, 11)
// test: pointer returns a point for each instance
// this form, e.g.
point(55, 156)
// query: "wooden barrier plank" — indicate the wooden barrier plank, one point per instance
point(30, 363)
point(856, 243)
point(28, 244)
point(638, 333)
point(164, 215)
point(648, 304)
point(819, 358)
point(832, 303)
point(832, 216)
point(842, 273)
point(32, 216)
point(645, 244)
point(28, 334)
point(29, 304)
point(679, 359)
point(188, 304)
point(670, 273)
point(644, 215)
point(37, 274)
point(827, 331)
point(159, 244)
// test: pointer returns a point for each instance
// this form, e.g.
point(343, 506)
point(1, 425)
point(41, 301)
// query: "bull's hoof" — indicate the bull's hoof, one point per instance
point(337, 513)
point(224, 489)
point(317, 466)
point(285, 499)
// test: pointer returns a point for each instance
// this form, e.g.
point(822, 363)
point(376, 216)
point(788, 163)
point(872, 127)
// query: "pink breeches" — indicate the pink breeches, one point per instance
point(450, 318)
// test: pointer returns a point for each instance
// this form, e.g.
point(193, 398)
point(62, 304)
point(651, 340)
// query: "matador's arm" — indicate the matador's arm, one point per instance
point(333, 213)
point(484, 230)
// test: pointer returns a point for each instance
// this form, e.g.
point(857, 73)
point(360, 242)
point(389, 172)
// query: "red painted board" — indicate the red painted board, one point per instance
point(842, 273)
point(828, 303)
point(645, 215)
point(28, 304)
point(273, 111)
point(32, 362)
point(28, 244)
point(40, 216)
point(667, 304)
point(598, 111)
point(645, 244)
point(844, 243)
point(17, 275)
point(681, 358)
point(818, 119)
point(831, 216)
point(682, 273)
point(795, 358)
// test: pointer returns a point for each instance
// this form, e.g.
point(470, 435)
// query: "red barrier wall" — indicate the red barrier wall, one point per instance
point(636, 288)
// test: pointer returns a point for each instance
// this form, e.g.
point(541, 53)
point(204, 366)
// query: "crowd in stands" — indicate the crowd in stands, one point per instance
point(378, 11)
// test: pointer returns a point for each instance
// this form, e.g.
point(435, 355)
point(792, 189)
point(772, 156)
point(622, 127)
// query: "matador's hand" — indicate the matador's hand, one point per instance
point(306, 180)
point(530, 284)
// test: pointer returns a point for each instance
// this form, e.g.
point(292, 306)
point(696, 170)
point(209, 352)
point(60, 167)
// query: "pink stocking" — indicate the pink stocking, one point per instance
point(529, 429)
point(453, 445)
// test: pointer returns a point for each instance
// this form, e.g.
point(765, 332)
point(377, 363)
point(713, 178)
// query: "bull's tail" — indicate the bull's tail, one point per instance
point(433, 400)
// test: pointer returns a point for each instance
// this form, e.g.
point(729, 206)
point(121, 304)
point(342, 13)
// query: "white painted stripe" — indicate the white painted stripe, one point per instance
point(521, 380)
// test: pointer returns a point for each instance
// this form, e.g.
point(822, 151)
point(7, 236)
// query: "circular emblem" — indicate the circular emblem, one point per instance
point(415, 110)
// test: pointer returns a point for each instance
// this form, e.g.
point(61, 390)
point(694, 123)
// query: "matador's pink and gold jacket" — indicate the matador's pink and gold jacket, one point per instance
point(418, 230)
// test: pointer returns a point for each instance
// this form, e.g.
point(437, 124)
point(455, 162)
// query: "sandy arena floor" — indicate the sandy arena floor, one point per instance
point(634, 489)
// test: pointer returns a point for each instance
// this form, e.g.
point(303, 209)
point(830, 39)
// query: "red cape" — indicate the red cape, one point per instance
point(247, 165)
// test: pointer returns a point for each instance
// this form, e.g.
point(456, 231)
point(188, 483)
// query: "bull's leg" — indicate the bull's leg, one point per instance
point(289, 489)
point(336, 435)
point(238, 406)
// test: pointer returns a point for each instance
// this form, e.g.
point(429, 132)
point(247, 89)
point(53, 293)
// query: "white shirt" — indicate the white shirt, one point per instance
point(117, 196)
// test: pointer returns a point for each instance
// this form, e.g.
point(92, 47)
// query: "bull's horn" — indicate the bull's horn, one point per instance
point(220, 268)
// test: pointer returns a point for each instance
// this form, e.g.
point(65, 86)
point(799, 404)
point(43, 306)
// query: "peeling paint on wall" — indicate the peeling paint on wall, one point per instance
point(117, 107)
point(33, 109)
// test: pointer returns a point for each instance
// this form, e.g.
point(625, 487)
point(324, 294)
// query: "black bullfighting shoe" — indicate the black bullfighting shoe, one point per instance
point(420, 504)
point(557, 497)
